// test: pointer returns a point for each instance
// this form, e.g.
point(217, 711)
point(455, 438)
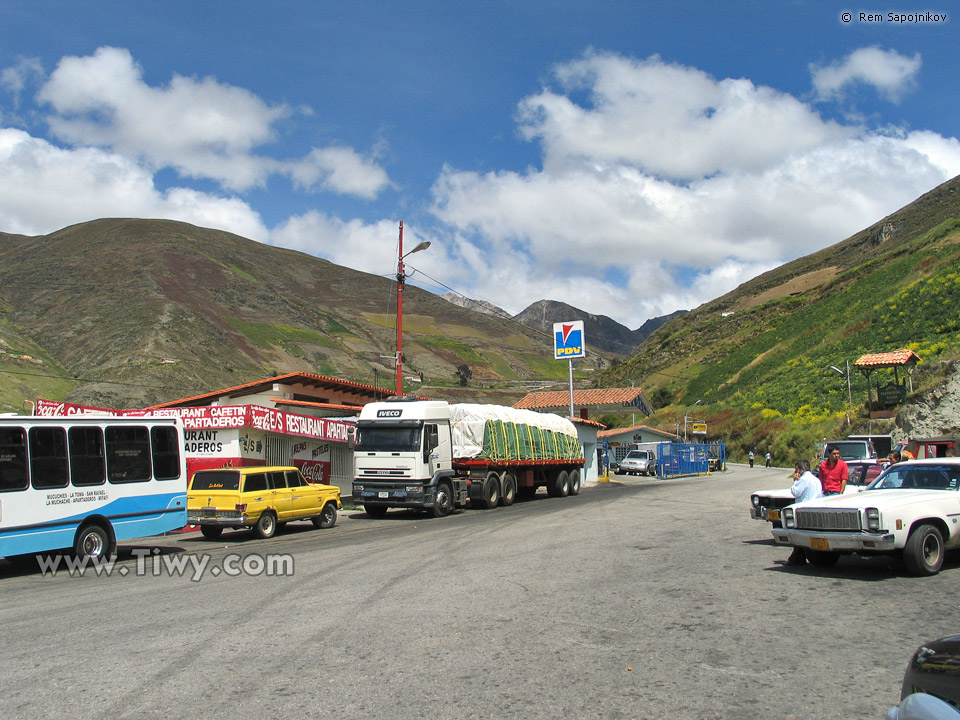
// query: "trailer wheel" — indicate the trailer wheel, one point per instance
point(491, 492)
point(509, 493)
point(574, 482)
point(561, 484)
point(443, 503)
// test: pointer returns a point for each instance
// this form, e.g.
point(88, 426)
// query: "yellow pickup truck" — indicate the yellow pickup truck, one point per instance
point(258, 497)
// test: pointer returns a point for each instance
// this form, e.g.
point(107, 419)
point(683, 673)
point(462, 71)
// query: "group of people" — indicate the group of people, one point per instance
point(768, 457)
point(834, 474)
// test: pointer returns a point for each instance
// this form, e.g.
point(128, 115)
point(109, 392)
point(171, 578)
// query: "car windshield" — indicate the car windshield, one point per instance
point(637, 455)
point(927, 477)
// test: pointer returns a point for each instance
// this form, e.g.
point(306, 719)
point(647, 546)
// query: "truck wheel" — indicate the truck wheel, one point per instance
point(266, 526)
point(574, 482)
point(375, 511)
point(491, 492)
point(327, 518)
point(443, 503)
point(211, 532)
point(923, 553)
point(561, 484)
point(509, 493)
point(822, 558)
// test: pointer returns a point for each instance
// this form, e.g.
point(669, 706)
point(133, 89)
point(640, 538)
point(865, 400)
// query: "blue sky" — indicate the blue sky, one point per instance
point(628, 158)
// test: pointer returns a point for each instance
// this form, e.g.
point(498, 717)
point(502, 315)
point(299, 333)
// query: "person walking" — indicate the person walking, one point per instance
point(750, 457)
point(834, 472)
point(805, 486)
point(768, 457)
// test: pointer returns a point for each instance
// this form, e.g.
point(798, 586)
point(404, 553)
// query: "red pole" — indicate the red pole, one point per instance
point(400, 279)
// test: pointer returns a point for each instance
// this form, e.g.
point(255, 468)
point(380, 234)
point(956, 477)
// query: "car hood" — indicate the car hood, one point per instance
point(785, 492)
point(881, 499)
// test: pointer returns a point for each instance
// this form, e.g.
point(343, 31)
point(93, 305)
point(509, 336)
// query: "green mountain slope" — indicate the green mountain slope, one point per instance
point(758, 359)
point(129, 312)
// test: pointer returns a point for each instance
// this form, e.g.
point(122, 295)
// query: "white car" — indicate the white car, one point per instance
point(912, 509)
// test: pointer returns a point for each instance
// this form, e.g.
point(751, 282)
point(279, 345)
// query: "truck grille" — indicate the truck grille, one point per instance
point(814, 519)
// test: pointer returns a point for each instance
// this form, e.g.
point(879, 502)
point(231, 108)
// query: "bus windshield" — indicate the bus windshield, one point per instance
point(389, 438)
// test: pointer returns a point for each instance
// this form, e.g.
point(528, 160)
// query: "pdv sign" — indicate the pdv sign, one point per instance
point(568, 340)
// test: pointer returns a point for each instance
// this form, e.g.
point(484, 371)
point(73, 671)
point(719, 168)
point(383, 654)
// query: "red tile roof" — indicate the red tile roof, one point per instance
point(620, 431)
point(601, 396)
point(887, 359)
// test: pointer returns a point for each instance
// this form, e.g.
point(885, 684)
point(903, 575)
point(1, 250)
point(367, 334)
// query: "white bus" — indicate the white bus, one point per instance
point(86, 482)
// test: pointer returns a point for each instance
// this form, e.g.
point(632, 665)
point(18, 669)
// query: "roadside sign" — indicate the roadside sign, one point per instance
point(568, 340)
point(699, 428)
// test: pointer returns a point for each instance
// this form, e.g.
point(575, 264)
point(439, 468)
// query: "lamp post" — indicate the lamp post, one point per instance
point(401, 278)
point(685, 421)
point(849, 391)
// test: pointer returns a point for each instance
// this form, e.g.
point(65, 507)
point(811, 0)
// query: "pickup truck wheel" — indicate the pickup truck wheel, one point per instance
point(509, 493)
point(491, 492)
point(211, 532)
point(574, 482)
point(443, 503)
point(327, 518)
point(561, 485)
point(375, 511)
point(266, 526)
point(822, 558)
point(923, 553)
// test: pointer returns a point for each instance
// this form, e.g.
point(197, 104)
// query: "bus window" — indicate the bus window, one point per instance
point(87, 464)
point(48, 457)
point(13, 459)
point(166, 453)
point(128, 454)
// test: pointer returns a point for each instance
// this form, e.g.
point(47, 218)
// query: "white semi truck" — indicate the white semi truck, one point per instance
point(437, 456)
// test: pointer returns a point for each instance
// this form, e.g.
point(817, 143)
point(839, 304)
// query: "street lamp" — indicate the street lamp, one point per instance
point(849, 392)
point(685, 421)
point(401, 278)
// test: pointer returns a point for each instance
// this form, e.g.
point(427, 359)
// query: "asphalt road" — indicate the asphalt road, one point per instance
point(639, 599)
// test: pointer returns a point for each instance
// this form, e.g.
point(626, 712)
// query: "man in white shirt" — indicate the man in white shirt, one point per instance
point(806, 486)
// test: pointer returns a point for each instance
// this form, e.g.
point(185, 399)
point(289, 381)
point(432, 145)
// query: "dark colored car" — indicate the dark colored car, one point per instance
point(934, 670)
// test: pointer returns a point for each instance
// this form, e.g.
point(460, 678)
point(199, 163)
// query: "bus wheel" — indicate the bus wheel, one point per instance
point(211, 532)
point(266, 526)
point(93, 541)
point(574, 482)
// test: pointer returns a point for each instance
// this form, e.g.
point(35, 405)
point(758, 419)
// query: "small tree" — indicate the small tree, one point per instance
point(464, 374)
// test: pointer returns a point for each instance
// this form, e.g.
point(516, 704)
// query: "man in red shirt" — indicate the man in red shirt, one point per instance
point(833, 472)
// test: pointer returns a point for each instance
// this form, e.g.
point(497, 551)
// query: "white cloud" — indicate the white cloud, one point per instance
point(891, 73)
point(46, 188)
point(17, 77)
point(202, 128)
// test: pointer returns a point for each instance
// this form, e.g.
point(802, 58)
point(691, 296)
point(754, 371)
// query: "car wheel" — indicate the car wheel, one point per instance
point(266, 526)
point(93, 541)
point(327, 517)
point(443, 502)
point(375, 511)
point(923, 553)
point(574, 482)
point(822, 558)
point(211, 532)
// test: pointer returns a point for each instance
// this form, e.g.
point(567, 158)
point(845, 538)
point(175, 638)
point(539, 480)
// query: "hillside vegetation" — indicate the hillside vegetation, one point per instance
point(124, 313)
point(758, 359)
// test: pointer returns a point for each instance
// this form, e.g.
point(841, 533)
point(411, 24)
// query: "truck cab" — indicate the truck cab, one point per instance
point(403, 458)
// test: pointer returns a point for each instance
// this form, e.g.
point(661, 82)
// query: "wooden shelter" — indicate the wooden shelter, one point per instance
point(892, 394)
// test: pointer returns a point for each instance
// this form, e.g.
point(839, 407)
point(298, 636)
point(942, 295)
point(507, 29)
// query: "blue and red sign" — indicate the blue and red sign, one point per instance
point(568, 340)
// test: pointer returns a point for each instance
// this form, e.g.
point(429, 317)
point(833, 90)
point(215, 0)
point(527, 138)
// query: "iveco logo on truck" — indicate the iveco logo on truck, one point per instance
point(389, 413)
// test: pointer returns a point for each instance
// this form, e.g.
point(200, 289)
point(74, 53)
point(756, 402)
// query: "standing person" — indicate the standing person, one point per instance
point(834, 472)
point(768, 457)
point(750, 456)
point(805, 486)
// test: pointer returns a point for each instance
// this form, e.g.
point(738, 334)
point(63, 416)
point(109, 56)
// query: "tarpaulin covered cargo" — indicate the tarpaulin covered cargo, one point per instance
point(500, 433)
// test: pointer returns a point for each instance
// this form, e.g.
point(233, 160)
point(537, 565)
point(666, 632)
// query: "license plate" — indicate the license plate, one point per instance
point(773, 514)
point(819, 544)
point(383, 494)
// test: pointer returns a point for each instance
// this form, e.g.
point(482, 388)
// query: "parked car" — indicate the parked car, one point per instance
point(638, 462)
point(931, 683)
point(260, 498)
point(768, 504)
point(909, 511)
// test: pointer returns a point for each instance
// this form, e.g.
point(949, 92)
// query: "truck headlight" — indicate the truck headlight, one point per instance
point(755, 499)
point(414, 488)
point(359, 488)
point(789, 521)
point(873, 519)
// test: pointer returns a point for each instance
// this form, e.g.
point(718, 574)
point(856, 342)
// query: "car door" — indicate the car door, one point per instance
point(281, 494)
point(303, 496)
